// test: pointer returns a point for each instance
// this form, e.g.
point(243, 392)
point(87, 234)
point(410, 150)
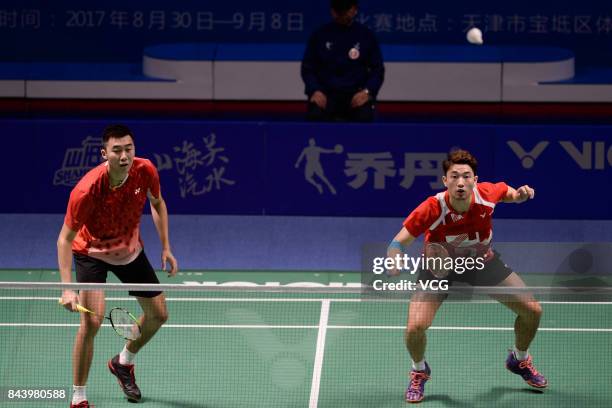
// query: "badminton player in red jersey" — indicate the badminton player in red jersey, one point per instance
point(460, 219)
point(101, 232)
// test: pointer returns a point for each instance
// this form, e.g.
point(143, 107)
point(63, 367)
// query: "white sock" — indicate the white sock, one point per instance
point(519, 354)
point(126, 357)
point(419, 366)
point(79, 393)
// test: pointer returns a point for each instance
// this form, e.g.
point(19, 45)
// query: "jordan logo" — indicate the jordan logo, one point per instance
point(137, 191)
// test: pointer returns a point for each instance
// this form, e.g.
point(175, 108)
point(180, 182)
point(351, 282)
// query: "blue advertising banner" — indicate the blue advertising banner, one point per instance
point(384, 170)
point(70, 30)
point(570, 166)
point(363, 170)
point(203, 167)
point(316, 169)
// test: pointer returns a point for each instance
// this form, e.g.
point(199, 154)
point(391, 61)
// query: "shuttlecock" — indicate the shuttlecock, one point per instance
point(474, 36)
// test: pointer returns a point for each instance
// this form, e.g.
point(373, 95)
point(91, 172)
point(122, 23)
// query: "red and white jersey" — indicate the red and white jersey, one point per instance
point(107, 220)
point(466, 234)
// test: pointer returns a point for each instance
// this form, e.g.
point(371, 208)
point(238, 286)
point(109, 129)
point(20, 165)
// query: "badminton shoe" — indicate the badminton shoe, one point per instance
point(526, 370)
point(416, 387)
point(125, 377)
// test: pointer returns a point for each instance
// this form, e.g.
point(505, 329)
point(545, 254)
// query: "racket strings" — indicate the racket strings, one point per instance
point(125, 324)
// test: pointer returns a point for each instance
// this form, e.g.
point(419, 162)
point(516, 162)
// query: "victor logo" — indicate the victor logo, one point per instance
point(527, 158)
point(588, 156)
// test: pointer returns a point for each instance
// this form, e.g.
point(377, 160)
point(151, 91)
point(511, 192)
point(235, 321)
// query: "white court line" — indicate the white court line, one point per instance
point(320, 351)
point(215, 299)
point(477, 328)
point(177, 326)
point(198, 299)
point(322, 333)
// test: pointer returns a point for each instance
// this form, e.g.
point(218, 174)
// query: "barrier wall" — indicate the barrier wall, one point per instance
point(315, 169)
point(229, 242)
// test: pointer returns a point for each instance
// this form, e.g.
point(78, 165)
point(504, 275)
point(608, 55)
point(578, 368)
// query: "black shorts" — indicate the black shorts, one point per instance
point(493, 273)
point(92, 270)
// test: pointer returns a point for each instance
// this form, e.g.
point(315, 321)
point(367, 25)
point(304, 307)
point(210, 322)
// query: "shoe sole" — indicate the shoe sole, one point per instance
point(534, 385)
point(129, 397)
point(414, 401)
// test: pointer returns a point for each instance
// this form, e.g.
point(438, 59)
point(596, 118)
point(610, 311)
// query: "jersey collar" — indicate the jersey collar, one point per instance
point(452, 209)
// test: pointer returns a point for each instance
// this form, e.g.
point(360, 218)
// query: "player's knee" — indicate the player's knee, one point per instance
point(534, 310)
point(163, 317)
point(417, 327)
point(531, 311)
point(90, 325)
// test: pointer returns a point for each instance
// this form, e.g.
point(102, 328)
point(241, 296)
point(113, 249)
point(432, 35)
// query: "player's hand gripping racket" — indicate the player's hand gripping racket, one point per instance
point(124, 323)
point(436, 256)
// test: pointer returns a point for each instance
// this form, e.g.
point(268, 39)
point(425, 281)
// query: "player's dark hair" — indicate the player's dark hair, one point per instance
point(460, 157)
point(342, 6)
point(116, 131)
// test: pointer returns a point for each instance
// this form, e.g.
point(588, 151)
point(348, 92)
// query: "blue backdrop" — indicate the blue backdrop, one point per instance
point(314, 169)
point(70, 30)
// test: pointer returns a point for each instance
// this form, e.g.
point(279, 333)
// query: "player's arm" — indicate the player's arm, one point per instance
point(159, 211)
point(401, 240)
point(64, 259)
point(519, 195)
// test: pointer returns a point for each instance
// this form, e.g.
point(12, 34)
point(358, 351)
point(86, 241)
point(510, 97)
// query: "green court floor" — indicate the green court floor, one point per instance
point(252, 350)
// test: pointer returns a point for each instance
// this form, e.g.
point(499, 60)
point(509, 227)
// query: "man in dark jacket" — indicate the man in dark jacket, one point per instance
point(342, 68)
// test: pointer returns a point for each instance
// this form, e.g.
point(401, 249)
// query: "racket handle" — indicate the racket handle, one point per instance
point(83, 309)
point(79, 308)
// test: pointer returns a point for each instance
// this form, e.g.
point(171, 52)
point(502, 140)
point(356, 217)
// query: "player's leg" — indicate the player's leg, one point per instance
point(528, 313)
point(82, 352)
point(154, 315)
point(153, 303)
point(88, 270)
point(421, 312)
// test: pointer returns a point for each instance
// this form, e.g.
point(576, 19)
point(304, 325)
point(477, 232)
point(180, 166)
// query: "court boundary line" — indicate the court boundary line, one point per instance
point(321, 337)
point(298, 287)
point(317, 370)
point(306, 300)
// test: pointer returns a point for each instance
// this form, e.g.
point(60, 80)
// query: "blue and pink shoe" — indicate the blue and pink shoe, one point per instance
point(526, 370)
point(416, 388)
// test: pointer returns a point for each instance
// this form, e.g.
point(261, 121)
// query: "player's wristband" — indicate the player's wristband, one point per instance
point(396, 245)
